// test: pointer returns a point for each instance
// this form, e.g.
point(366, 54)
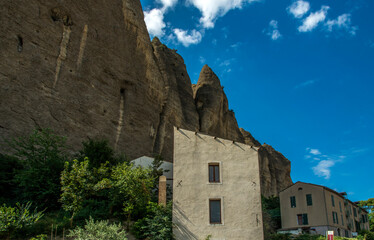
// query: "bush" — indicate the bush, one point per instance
point(40, 237)
point(98, 230)
point(157, 225)
point(13, 218)
point(278, 236)
point(308, 237)
point(367, 235)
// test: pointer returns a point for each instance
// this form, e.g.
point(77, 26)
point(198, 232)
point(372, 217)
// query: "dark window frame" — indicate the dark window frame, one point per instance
point(332, 200)
point(210, 210)
point(213, 179)
point(302, 219)
point(293, 201)
point(309, 200)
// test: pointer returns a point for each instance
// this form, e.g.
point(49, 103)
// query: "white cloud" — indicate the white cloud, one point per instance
point(314, 151)
point(167, 3)
point(154, 19)
point(342, 22)
point(212, 9)
point(323, 168)
point(202, 59)
point(314, 19)
point(304, 84)
point(273, 31)
point(299, 8)
point(187, 39)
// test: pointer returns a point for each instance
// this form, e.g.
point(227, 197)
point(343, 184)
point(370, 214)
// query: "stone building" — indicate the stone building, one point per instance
point(316, 209)
point(216, 188)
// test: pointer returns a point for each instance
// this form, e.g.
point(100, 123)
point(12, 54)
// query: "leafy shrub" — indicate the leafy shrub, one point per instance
point(13, 218)
point(40, 237)
point(98, 230)
point(278, 236)
point(157, 225)
point(367, 235)
point(308, 237)
point(96, 208)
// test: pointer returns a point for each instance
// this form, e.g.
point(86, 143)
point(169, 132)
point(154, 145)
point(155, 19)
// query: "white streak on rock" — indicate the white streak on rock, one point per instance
point(82, 46)
point(63, 52)
point(120, 120)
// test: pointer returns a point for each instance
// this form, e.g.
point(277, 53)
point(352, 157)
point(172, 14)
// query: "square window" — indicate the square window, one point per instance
point(215, 211)
point(214, 172)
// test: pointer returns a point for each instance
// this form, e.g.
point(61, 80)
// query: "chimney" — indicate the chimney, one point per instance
point(162, 191)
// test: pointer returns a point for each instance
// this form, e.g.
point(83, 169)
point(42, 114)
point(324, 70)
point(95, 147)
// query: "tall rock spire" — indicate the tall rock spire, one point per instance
point(215, 118)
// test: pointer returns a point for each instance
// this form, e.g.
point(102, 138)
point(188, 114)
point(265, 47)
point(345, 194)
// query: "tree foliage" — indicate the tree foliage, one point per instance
point(99, 152)
point(271, 215)
point(133, 186)
point(368, 205)
point(76, 184)
point(42, 156)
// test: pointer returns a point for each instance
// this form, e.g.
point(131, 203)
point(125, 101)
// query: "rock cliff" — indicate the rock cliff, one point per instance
point(215, 118)
point(87, 69)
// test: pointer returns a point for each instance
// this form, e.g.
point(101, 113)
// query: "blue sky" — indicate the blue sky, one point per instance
point(298, 74)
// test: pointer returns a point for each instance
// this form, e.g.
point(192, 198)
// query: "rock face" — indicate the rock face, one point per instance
point(215, 118)
point(275, 171)
point(82, 68)
point(275, 168)
point(178, 108)
point(87, 69)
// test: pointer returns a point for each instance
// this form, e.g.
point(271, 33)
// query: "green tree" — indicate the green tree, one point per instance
point(132, 186)
point(271, 216)
point(368, 205)
point(42, 155)
point(99, 152)
point(76, 185)
point(79, 183)
point(13, 218)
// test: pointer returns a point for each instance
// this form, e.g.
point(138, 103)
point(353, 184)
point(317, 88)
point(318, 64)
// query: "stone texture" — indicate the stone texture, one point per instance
point(178, 108)
point(249, 139)
point(82, 68)
point(87, 69)
point(215, 118)
point(275, 171)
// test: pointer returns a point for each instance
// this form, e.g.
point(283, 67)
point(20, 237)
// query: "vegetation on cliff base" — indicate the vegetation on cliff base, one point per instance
point(97, 184)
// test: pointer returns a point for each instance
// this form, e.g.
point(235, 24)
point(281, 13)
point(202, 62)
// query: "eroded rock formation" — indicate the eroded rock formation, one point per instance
point(87, 69)
point(215, 118)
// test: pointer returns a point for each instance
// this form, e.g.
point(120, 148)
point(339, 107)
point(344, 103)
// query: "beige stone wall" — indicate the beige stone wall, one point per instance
point(320, 213)
point(239, 189)
point(330, 208)
point(316, 212)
